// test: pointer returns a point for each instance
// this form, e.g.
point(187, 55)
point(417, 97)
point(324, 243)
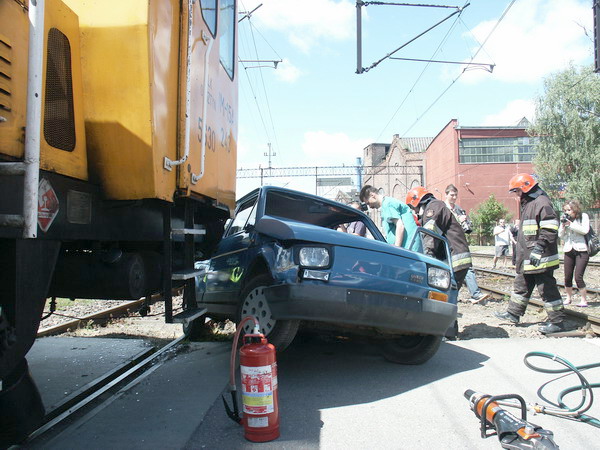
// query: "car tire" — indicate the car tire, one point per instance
point(280, 333)
point(198, 329)
point(413, 349)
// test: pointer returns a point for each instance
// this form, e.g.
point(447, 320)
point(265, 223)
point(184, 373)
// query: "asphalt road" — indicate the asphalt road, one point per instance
point(336, 394)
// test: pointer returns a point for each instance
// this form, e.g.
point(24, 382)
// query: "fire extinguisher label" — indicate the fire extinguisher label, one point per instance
point(257, 389)
point(274, 372)
point(258, 422)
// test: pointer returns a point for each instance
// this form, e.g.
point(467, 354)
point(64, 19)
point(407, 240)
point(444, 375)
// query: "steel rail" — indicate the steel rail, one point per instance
point(490, 256)
point(119, 378)
point(569, 312)
point(512, 275)
point(105, 313)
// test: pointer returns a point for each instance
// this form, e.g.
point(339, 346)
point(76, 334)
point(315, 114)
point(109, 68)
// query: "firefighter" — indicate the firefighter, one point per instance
point(435, 216)
point(537, 255)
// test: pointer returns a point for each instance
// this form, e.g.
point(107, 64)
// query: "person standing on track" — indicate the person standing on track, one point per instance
point(502, 238)
point(574, 225)
point(537, 256)
point(460, 214)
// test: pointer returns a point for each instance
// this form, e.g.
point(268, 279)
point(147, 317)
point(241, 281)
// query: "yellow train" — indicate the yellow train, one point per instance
point(118, 137)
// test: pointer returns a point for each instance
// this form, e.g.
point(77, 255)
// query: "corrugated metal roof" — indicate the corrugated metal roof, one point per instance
point(415, 144)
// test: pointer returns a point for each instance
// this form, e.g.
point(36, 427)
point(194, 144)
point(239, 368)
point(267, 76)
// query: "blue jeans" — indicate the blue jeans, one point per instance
point(471, 283)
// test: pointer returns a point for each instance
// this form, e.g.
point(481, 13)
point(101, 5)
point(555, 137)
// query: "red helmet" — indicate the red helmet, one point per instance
point(415, 195)
point(522, 181)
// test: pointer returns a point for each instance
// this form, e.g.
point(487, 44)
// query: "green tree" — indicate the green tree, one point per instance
point(568, 126)
point(485, 216)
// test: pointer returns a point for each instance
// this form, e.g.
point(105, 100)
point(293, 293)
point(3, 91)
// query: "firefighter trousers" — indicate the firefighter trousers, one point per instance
point(546, 286)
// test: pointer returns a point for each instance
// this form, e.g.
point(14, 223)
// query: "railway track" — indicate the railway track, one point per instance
point(512, 276)
point(114, 312)
point(94, 396)
point(582, 315)
point(491, 256)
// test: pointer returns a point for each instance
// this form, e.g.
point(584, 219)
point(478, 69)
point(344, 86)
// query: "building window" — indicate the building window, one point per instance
point(497, 150)
point(226, 35)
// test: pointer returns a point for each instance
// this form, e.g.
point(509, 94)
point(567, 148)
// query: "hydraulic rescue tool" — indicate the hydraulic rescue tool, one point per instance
point(513, 433)
point(260, 403)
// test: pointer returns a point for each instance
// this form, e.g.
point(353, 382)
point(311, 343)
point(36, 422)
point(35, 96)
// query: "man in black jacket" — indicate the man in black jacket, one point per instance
point(537, 255)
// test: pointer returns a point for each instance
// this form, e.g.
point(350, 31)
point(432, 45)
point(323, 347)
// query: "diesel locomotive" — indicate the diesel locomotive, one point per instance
point(118, 135)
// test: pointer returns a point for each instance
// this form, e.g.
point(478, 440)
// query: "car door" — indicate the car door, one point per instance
point(227, 266)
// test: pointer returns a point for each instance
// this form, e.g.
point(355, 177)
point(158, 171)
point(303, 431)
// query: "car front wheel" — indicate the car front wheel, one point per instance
point(415, 349)
point(280, 333)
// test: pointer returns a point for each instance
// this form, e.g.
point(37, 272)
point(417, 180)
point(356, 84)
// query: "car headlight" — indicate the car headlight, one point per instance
point(314, 257)
point(439, 278)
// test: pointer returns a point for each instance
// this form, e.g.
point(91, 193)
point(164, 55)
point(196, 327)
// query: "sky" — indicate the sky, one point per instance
point(315, 110)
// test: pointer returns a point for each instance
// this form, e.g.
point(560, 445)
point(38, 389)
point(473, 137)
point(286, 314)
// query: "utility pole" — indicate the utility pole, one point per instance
point(269, 154)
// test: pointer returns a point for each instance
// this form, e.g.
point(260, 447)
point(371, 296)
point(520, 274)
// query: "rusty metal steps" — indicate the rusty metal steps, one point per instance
point(189, 315)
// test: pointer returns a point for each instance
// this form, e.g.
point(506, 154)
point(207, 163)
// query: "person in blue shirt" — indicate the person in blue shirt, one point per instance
point(399, 226)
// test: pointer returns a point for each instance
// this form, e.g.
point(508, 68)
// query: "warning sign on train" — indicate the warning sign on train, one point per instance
point(47, 205)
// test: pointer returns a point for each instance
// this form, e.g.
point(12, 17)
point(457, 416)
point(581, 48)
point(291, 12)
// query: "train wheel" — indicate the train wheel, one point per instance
point(21, 407)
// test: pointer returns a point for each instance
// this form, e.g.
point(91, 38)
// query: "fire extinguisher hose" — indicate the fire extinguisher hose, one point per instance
point(234, 414)
point(238, 331)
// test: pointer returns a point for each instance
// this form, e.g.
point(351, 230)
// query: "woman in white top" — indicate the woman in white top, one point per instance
point(574, 225)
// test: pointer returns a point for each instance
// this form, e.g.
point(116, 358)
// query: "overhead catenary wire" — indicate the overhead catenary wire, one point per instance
point(462, 72)
point(442, 42)
point(252, 29)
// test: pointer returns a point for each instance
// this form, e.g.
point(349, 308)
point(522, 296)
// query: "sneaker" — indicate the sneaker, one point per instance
point(505, 315)
point(479, 299)
point(550, 328)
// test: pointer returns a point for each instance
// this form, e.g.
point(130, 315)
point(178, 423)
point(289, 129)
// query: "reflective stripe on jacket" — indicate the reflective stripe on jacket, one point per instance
point(539, 225)
point(437, 217)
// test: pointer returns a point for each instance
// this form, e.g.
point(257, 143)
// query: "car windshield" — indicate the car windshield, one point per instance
point(308, 210)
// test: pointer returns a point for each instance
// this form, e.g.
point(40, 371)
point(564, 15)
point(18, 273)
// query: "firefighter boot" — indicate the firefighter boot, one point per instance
point(550, 328)
point(505, 315)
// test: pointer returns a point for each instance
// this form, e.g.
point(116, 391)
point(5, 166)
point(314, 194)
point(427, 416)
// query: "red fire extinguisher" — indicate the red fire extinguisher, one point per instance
point(260, 403)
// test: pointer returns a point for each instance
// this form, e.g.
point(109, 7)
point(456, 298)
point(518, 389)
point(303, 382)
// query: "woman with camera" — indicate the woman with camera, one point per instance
point(574, 225)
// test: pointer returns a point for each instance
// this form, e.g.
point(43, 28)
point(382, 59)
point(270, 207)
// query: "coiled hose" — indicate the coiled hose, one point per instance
point(560, 409)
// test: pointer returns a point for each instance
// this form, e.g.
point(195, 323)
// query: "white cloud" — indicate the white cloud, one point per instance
point(308, 22)
point(322, 148)
point(535, 38)
point(512, 113)
point(287, 72)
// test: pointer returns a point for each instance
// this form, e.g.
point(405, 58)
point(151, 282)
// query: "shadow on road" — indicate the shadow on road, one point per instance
point(320, 374)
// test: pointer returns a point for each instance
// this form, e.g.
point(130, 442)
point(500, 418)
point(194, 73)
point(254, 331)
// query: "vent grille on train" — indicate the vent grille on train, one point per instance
point(5, 78)
point(59, 118)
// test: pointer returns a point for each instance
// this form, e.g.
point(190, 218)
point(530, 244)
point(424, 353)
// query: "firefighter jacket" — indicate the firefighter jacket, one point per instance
point(437, 217)
point(539, 227)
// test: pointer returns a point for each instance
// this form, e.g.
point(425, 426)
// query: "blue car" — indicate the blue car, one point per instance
point(283, 261)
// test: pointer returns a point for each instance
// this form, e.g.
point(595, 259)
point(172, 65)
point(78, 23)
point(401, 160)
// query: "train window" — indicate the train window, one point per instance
point(59, 117)
point(209, 13)
point(227, 35)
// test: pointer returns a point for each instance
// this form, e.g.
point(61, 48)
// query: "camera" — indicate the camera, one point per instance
point(364, 207)
point(565, 217)
point(467, 225)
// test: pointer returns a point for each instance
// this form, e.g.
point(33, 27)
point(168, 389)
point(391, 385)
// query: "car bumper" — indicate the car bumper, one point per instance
point(388, 312)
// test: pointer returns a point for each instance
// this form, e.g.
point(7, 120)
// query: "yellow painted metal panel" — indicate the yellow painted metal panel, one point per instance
point(115, 61)
point(71, 163)
point(164, 38)
point(218, 181)
point(14, 38)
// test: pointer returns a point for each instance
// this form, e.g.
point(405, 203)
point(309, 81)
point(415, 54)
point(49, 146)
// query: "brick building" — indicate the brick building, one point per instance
point(479, 161)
